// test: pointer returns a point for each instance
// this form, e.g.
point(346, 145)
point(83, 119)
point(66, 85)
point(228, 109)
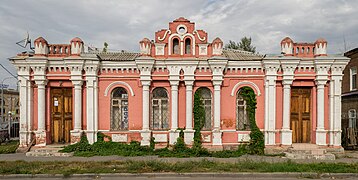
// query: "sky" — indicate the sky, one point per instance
point(123, 23)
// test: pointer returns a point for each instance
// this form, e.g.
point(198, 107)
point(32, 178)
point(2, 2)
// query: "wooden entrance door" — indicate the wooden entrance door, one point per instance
point(301, 115)
point(61, 116)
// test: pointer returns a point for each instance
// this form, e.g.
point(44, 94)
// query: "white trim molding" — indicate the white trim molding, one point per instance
point(258, 92)
point(118, 83)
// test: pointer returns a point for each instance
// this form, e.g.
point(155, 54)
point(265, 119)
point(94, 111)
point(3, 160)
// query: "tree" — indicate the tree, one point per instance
point(244, 44)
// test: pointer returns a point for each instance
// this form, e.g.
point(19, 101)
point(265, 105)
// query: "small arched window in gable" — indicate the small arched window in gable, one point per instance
point(176, 49)
point(187, 46)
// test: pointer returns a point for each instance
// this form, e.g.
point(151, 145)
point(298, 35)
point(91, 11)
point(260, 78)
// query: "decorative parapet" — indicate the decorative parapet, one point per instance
point(76, 46)
point(217, 46)
point(309, 50)
point(41, 47)
point(145, 47)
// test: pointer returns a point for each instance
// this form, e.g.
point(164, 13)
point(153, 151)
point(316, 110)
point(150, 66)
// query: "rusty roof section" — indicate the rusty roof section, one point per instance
point(117, 56)
point(240, 55)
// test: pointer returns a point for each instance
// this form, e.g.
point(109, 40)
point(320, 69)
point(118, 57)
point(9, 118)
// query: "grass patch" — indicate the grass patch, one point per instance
point(68, 168)
point(9, 147)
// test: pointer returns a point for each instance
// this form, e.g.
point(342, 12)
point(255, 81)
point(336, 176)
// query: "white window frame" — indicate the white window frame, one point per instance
point(353, 72)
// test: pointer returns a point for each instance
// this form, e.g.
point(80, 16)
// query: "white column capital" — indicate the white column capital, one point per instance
point(189, 83)
point(287, 83)
point(41, 83)
point(77, 83)
point(321, 83)
point(174, 83)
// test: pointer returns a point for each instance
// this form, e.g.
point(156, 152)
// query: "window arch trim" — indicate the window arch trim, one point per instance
point(250, 84)
point(117, 83)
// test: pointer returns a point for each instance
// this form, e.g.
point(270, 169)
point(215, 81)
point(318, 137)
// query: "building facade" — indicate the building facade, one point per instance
point(9, 107)
point(350, 99)
point(134, 96)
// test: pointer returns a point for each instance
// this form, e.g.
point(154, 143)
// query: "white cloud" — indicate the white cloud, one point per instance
point(124, 23)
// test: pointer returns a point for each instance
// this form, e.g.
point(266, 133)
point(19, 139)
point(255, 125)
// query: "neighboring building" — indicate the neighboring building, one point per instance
point(133, 96)
point(350, 99)
point(11, 108)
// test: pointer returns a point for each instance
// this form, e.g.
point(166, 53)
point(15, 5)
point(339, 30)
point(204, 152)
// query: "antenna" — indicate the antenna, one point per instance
point(23, 43)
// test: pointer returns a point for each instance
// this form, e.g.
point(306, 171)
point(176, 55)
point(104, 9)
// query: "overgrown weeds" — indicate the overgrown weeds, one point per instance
point(68, 168)
point(9, 147)
point(107, 148)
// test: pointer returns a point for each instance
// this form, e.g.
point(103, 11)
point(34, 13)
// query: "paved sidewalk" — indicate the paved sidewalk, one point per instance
point(348, 157)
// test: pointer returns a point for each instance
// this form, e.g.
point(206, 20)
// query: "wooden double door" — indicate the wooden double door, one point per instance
point(301, 115)
point(61, 114)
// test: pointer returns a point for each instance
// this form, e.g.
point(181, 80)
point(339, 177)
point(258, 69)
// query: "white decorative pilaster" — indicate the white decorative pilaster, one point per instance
point(335, 130)
point(41, 81)
point(39, 68)
point(271, 68)
point(145, 65)
point(288, 67)
point(91, 70)
point(189, 79)
point(322, 67)
point(25, 136)
point(76, 67)
point(174, 71)
point(217, 67)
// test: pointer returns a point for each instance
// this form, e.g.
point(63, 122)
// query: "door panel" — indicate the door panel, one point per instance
point(301, 115)
point(61, 124)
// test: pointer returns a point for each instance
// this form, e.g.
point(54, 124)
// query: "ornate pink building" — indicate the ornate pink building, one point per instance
point(133, 96)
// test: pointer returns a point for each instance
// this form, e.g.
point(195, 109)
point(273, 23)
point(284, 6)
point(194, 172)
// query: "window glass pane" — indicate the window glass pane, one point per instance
point(354, 81)
point(119, 118)
point(119, 93)
point(205, 95)
point(176, 49)
point(352, 115)
point(243, 122)
point(187, 46)
point(159, 118)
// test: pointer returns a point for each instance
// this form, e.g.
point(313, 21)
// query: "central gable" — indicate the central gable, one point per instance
point(181, 40)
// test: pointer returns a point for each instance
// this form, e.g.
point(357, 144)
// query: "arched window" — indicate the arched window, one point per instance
point(205, 95)
point(352, 115)
point(187, 46)
point(159, 117)
point(119, 113)
point(242, 118)
point(176, 49)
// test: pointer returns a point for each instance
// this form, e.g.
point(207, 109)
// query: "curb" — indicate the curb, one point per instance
point(233, 175)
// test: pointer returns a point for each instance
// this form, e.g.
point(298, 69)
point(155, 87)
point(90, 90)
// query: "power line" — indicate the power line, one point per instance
point(8, 71)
